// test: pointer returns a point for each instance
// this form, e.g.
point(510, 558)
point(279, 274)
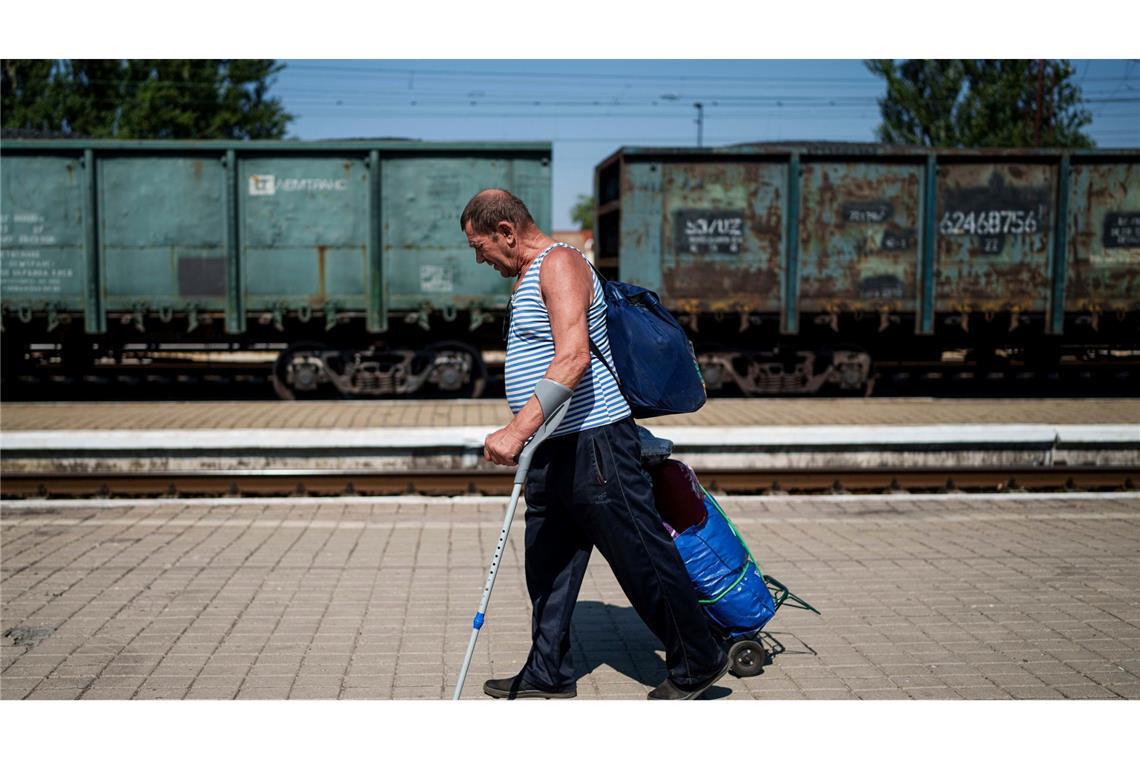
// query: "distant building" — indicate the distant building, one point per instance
point(582, 239)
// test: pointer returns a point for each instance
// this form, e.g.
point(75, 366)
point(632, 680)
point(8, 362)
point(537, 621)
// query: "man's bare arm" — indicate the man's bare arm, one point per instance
point(567, 289)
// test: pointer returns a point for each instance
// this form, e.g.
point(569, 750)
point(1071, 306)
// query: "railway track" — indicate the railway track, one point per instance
point(285, 483)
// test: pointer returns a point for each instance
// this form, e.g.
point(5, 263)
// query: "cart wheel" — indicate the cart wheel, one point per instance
point(747, 659)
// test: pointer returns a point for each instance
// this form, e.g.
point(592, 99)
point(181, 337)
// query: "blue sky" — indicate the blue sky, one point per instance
point(590, 108)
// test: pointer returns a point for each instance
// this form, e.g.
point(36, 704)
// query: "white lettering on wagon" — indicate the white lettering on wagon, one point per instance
point(269, 184)
point(701, 231)
point(24, 272)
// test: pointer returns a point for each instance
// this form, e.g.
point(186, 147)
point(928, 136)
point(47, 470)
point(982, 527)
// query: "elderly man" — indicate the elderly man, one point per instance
point(585, 486)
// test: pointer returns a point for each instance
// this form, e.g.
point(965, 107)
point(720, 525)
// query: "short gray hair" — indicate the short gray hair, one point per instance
point(491, 206)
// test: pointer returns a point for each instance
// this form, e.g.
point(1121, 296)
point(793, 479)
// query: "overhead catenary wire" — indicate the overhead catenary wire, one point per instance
point(304, 66)
point(394, 93)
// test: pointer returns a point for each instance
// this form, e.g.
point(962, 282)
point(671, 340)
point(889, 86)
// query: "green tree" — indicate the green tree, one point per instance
point(27, 95)
point(132, 99)
point(583, 212)
point(981, 104)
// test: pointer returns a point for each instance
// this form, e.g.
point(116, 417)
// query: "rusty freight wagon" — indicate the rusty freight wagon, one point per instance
point(801, 267)
point(342, 262)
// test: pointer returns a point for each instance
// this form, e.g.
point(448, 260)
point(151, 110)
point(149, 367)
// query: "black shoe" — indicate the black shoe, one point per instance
point(670, 690)
point(520, 688)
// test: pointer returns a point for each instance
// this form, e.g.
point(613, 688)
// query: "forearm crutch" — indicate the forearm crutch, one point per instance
point(554, 398)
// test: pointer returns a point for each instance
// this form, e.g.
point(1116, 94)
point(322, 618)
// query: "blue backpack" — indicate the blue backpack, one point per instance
point(656, 368)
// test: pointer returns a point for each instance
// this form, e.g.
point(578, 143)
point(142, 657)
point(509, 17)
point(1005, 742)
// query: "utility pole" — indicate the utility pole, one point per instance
point(700, 116)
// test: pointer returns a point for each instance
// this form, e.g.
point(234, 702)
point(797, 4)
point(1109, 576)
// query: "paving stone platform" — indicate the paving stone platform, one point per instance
point(952, 597)
point(203, 415)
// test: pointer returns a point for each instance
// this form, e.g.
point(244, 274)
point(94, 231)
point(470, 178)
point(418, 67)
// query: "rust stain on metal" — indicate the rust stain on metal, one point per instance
point(1101, 276)
point(861, 224)
point(196, 167)
point(727, 283)
point(739, 272)
point(320, 297)
point(986, 268)
point(858, 237)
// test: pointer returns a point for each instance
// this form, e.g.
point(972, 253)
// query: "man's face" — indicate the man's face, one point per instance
point(493, 250)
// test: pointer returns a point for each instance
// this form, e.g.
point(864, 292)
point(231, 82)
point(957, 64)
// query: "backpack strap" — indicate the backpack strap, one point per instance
point(602, 359)
point(593, 346)
point(599, 274)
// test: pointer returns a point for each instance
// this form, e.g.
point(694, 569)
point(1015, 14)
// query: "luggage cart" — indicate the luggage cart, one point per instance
point(745, 649)
point(742, 643)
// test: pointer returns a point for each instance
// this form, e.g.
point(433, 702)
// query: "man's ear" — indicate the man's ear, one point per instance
point(506, 229)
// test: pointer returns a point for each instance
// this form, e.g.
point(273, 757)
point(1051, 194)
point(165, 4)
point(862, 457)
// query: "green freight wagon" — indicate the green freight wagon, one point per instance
point(800, 266)
point(345, 257)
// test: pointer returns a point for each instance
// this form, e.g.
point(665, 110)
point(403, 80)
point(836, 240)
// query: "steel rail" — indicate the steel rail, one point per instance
point(459, 482)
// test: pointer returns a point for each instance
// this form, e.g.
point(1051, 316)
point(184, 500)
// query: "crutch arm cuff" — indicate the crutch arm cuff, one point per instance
point(551, 395)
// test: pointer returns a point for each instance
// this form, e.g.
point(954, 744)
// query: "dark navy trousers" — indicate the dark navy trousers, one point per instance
point(589, 489)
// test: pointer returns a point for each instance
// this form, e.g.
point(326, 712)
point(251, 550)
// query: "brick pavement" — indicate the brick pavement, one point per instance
point(407, 413)
point(946, 598)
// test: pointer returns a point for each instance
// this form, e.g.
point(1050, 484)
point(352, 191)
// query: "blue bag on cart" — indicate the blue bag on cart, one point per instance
point(730, 585)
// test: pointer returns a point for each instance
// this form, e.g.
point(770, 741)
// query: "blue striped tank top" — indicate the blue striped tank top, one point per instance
point(597, 400)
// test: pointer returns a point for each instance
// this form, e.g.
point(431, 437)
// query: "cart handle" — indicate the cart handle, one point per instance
point(783, 596)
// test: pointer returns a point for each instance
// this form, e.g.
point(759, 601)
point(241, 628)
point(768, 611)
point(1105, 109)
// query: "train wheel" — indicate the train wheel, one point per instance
point(295, 378)
point(460, 371)
point(855, 370)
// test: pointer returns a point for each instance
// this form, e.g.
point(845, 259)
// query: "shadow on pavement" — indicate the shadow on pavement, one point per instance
point(605, 634)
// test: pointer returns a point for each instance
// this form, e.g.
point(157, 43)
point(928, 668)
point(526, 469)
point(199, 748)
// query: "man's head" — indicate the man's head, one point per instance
point(494, 221)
